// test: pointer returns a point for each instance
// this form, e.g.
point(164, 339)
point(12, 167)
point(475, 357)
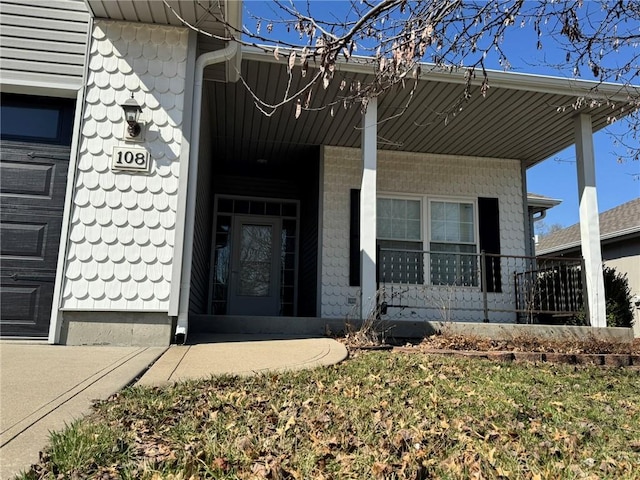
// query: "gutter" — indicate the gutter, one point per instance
point(499, 79)
point(540, 206)
point(203, 61)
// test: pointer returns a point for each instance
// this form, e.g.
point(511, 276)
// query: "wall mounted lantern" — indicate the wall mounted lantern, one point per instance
point(131, 113)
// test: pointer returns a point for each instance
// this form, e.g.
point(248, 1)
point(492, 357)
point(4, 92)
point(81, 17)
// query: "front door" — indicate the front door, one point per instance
point(254, 287)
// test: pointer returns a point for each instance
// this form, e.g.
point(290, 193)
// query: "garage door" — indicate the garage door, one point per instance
point(33, 178)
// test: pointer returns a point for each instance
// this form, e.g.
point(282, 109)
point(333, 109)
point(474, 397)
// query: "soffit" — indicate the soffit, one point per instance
point(523, 118)
point(201, 14)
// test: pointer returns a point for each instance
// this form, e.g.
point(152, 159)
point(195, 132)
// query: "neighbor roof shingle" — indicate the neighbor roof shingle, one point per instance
point(618, 221)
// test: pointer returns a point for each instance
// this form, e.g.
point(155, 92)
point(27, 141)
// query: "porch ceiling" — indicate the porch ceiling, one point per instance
point(523, 117)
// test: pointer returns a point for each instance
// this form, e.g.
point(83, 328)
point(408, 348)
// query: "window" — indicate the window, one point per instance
point(36, 119)
point(399, 219)
point(447, 256)
point(453, 236)
point(399, 231)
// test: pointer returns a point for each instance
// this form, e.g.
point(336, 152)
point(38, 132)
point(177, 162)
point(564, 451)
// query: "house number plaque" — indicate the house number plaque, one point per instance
point(130, 159)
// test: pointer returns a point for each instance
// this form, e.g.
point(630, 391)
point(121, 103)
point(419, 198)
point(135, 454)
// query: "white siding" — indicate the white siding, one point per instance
point(627, 261)
point(43, 42)
point(123, 224)
point(409, 173)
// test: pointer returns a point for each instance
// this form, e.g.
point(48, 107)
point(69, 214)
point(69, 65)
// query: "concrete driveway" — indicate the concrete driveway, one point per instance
point(43, 387)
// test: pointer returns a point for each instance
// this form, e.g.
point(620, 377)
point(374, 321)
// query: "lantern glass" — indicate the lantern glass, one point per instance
point(131, 115)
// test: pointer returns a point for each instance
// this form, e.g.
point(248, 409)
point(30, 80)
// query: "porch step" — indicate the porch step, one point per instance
point(247, 324)
point(302, 326)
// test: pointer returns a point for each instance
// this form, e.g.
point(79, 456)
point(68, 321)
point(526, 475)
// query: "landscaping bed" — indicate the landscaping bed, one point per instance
point(590, 350)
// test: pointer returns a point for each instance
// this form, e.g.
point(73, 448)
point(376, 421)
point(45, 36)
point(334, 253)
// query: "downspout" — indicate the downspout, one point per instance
point(203, 61)
point(532, 235)
point(527, 217)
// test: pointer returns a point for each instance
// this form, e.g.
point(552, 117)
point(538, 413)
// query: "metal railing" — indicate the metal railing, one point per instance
point(466, 286)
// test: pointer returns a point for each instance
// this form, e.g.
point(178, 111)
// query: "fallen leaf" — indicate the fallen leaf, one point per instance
point(492, 453)
point(298, 108)
point(220, 464)
point(292, 60)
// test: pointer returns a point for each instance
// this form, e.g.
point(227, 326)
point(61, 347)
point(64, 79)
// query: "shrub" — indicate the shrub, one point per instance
point(618, 295)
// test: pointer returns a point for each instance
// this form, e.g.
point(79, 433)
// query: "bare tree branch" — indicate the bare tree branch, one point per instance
point(599, 39)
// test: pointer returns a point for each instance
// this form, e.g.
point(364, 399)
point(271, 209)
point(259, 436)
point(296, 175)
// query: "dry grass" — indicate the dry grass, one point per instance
point(378, 415)
point(370, 335)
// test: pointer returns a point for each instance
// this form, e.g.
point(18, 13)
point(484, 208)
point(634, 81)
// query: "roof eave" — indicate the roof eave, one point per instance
point(605, 238)
point(512, 80)
point(543, 203)
point(621, 233)
point(558, 249)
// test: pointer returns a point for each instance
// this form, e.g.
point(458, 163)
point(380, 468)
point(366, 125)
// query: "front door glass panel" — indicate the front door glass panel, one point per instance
point(256, 253)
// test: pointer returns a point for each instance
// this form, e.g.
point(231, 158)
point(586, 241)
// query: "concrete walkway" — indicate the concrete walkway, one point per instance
point(44, 387)
point(241, 355)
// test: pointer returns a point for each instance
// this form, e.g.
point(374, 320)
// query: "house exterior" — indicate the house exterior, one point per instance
point(620, 244)
point(216, 216)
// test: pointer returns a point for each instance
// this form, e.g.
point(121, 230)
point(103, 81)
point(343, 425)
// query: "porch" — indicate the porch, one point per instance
point(320, 165)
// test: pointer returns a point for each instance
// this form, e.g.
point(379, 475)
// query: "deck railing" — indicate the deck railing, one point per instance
point(480, 286)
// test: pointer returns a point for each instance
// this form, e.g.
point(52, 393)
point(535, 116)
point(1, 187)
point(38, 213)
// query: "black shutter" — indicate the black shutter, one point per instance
point(354, 239)
point(489, 226)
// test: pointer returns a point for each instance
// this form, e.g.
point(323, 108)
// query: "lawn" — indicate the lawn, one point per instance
point(378, 415)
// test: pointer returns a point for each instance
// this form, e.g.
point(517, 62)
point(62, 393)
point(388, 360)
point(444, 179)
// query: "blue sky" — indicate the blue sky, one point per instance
point(555, 177)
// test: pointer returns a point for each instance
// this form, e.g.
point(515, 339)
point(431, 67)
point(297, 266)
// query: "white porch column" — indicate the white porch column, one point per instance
point(368, 214)
point(589, 221)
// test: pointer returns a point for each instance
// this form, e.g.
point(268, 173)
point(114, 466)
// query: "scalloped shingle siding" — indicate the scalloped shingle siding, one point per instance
point(409, 173)
point(122, 232)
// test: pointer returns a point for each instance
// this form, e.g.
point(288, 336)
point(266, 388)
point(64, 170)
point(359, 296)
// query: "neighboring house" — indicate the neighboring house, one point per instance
point(619, 243)
point(538, 206)
point(216, 216)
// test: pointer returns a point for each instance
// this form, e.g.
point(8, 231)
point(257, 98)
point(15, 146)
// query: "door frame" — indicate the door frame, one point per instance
point(234, 217)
